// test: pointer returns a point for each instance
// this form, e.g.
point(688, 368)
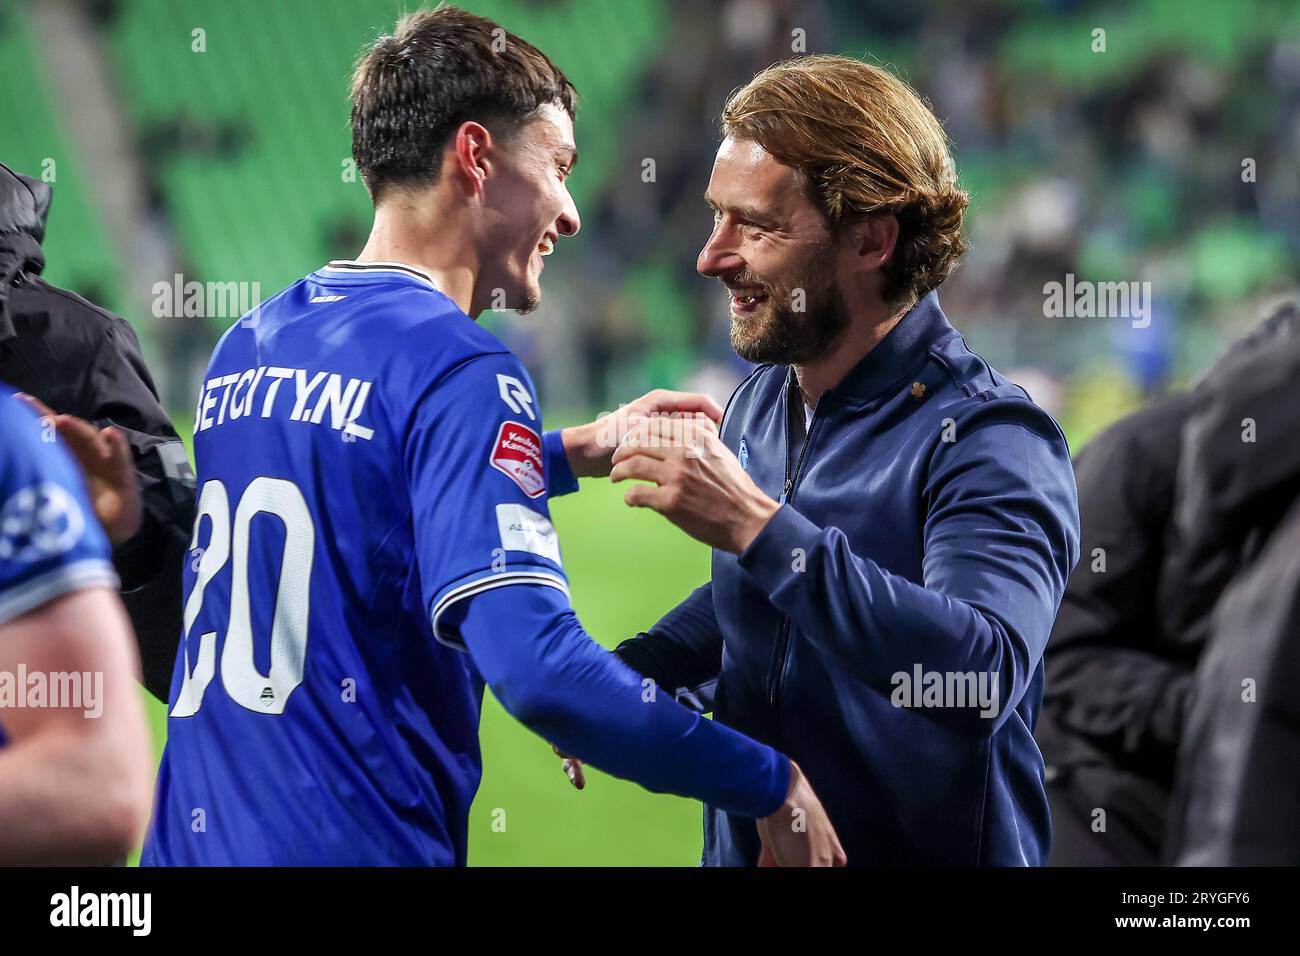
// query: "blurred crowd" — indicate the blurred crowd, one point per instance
point(1159, 158)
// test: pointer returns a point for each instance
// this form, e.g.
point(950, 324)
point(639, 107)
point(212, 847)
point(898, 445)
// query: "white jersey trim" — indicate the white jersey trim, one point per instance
point(64, 579)
point(351, 267)
point(487, 583)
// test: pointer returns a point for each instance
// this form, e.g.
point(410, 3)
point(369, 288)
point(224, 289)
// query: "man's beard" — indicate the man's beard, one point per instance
point(782, 335)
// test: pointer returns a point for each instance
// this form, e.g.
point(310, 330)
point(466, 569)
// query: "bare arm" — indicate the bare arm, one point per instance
point(77, 780)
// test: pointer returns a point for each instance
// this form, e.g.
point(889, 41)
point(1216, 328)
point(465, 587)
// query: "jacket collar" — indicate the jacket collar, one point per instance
point(898, 354)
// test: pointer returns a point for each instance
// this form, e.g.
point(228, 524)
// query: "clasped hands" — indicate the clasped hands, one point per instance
point(670, 439)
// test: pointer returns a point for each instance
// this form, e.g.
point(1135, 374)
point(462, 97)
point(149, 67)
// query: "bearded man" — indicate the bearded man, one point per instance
point(892, 521)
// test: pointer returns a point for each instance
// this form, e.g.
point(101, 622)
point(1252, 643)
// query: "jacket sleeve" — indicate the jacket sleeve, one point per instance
point(683, 652)
point(1001, 534)
point(120, 392)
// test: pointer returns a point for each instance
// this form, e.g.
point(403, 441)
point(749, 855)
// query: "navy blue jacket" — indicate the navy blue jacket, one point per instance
point(930, 530)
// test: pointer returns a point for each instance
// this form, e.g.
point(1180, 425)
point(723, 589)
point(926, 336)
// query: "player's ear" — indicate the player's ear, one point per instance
point(471, 151)
point(876, 236)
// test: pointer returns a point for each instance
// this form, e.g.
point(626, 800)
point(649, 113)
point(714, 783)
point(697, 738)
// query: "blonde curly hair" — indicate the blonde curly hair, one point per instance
point(864, 142)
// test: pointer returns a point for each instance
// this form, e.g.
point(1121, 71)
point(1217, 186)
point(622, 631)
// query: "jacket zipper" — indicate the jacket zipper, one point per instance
point(776, 671)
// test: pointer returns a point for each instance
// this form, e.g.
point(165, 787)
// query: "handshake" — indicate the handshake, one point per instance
point(670, 439)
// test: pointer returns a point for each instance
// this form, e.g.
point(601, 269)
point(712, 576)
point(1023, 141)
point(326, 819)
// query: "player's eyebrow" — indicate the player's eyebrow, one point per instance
point(571, 152)
point(748, 213)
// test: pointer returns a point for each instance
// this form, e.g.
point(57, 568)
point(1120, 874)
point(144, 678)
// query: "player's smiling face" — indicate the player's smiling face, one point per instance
point(531, 207)
point(773, 252)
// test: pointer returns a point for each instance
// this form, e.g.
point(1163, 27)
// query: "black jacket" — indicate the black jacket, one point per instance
point(79, 359)
point(1236, 798)
point(1117, 675)
point(1170, 515)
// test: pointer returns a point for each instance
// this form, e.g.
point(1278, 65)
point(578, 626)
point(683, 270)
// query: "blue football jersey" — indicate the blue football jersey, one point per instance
point(367, 456)
point(50, 542)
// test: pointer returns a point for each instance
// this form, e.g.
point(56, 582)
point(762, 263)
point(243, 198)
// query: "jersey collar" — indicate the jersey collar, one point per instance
point(352, 267)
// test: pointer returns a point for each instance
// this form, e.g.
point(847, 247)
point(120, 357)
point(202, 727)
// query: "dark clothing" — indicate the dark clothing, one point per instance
point(1237, 796)
point(1236, 801)
point(1117, 678)
point(83, 361)
point(928, 530)
point(1240, 467)
point(1174, 504)
point(1101, 817)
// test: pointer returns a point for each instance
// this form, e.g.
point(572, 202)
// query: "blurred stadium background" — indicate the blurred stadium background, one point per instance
point(209, 139)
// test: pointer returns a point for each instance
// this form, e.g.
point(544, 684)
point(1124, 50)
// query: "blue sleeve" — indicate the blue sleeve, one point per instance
point(1001, 536)
point(550, 675)
point(560, 479)
point(476, 470)
point(50, 541)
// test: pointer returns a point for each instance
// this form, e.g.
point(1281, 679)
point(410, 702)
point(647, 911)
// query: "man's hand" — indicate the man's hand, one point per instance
point(590, 447)
point(800, 833)
point(699, 484)
point(105, 459)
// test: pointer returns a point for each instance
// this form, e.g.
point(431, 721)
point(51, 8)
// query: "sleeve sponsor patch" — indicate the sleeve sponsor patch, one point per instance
point(517, 452)
point(523, 529)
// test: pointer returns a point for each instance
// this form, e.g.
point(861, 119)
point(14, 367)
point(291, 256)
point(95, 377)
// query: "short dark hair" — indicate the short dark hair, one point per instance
point(438, 69)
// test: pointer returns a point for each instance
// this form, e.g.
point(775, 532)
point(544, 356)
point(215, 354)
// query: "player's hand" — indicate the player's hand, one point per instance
point(572, 768)
point(800, 833)
point(590, 447)
point(105, 459)
point(698, 484)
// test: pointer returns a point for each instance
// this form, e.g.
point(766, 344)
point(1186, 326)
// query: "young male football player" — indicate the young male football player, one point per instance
point(373, 541)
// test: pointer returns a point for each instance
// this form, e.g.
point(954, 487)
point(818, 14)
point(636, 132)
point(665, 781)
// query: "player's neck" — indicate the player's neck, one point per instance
point(440, 252)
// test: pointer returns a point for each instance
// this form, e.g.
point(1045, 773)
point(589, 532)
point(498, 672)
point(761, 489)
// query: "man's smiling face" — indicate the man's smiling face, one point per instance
point(530, 204)
point(773, 251)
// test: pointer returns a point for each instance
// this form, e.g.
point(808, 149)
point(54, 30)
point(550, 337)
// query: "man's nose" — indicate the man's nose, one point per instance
point(718, 257)
point(569, 222)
